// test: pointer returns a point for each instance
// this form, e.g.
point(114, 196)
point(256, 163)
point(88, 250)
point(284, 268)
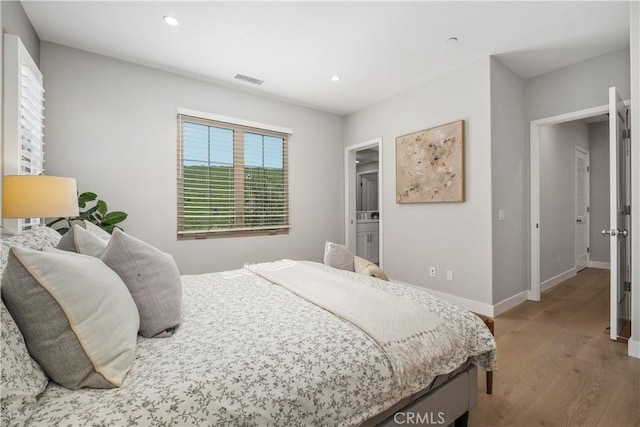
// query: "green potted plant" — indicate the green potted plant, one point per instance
point(97, 214)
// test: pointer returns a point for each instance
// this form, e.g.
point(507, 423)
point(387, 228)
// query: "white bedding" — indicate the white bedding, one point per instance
point(252, 353)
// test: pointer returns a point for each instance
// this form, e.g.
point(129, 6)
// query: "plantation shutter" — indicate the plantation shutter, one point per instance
point(31, 129)
point(232, 179)
point(23, 119)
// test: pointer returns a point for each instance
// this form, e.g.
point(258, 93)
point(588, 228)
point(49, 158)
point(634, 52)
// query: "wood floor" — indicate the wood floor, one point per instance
point(557, 365)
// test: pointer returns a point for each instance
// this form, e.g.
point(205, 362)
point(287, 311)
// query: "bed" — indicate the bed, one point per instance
point(250, 352)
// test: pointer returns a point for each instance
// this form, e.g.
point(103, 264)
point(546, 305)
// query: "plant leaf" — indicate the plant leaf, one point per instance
point(85, 197)
point(113, 218)
point(102, 207)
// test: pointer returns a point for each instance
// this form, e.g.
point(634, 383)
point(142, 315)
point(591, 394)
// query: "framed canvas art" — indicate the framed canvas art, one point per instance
point(430, 165)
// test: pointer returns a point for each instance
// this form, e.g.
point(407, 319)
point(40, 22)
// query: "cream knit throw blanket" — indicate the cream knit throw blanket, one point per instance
point(409, 335)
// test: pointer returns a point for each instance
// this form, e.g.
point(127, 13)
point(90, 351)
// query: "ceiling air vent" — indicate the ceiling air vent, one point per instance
point(248, 79)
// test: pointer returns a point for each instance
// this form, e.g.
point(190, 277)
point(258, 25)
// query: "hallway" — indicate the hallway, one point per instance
point(557, 365)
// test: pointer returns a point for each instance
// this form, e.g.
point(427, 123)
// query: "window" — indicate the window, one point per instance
point(23, 119)
point(232, 179)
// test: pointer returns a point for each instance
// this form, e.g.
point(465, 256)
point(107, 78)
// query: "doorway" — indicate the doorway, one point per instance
point(363, 200)
point(616, 226)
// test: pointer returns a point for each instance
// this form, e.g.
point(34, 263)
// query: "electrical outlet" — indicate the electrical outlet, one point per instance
point(449, 274)
point(432, 271)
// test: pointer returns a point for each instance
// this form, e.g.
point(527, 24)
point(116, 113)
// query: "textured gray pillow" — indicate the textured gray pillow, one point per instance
point(77, 317)
point(153, 280)
point(338, 256)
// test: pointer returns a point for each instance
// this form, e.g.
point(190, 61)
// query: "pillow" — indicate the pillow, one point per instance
point(35, 238)
point(22, 378)
point(338, 256)
point(153, 280)
point(366, 267)
point(77, 317)
point(93, 239)
point(88, 243)
point(95, 230)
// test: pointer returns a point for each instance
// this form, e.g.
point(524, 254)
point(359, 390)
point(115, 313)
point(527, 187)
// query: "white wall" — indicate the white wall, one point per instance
point(557, 195)
point(599, 190)
point(449, 236)
point(112, 125)
point(509, 183)
point(578, 86)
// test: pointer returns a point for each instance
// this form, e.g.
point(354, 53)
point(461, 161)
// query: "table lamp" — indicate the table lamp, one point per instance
point(39, 196)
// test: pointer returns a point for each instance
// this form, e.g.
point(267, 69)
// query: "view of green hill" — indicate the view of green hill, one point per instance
point(209, 202)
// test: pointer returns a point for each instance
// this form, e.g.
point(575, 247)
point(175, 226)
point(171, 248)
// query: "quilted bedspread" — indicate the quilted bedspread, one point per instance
point(253, 353)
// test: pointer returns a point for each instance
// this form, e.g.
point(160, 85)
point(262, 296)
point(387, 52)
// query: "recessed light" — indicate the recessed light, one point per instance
point(452, 40)
point(335, 78)
point(170, 20)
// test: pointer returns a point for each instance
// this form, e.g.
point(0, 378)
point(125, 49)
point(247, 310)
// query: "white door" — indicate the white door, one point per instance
point(620, 211)
point(374, 246)
point(582, 208)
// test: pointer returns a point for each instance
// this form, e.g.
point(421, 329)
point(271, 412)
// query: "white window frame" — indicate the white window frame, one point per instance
point(237, 125)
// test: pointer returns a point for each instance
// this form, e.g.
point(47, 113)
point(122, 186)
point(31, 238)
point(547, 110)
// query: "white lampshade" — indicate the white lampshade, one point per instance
point(38, 196)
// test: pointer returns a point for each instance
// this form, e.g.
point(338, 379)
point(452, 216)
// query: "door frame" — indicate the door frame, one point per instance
point(350, 194)
point(587, 196)
point(534, 186)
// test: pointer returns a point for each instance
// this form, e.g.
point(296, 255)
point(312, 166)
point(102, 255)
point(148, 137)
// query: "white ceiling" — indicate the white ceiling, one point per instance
point(378, 48)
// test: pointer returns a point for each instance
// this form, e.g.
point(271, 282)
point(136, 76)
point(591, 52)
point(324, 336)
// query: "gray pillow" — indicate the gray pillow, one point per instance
point(338, 256)
point(153, 280)
point(77, 317)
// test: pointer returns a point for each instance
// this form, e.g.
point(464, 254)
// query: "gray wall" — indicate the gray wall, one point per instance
point(599, 190)
point(634, 18)
point(449, 236)
point(112, 125)
point(557, 195)
point(509, 182)
point(15, 21)
point(578, 86)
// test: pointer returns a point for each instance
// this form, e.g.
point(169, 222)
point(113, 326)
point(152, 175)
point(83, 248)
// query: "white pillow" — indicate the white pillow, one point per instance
point(338, 256)
point(77, 317)
point(87, 242)
point(95, 230)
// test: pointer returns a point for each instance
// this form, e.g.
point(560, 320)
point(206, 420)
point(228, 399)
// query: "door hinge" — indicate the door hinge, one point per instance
point(588, 209)
point(588, 169)
point(627, 210)
point(626, 133)
point(627, 286)
point(588, 249)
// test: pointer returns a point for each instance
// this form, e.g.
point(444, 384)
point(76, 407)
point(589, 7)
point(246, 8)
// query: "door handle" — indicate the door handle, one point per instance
point(579, 220)
point(615, 232)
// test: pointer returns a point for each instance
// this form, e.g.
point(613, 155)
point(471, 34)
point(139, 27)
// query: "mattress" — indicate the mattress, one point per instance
point(252, 353)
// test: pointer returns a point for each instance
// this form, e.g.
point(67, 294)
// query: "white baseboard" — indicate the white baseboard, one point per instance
point(475, 306)
point(555, 280)
point(600, 264)
point(509, 303)
point(634, 348)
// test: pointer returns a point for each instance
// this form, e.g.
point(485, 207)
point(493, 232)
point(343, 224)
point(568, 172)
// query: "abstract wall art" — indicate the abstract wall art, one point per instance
point(430, 165)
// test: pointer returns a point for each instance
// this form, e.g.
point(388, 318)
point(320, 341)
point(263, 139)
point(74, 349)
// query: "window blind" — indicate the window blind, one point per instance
point(232, 179)
point(31, 148)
